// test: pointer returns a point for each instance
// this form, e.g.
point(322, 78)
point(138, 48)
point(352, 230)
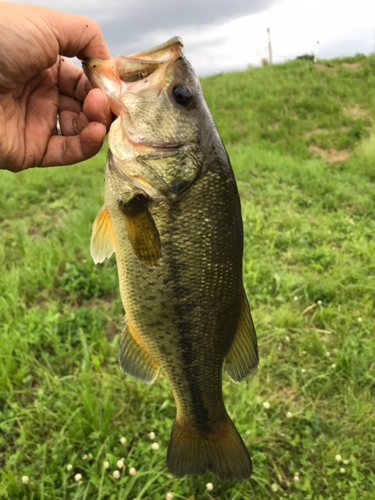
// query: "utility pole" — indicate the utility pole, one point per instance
point(316, 51)
point(269, 46)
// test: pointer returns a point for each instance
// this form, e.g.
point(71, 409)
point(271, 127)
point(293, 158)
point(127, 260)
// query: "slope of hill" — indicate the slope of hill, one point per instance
point(302, 145)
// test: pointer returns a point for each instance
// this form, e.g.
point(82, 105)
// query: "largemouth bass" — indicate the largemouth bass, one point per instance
point(172, 214)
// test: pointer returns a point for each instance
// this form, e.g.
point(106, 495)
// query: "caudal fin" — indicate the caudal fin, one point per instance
point(193, 453)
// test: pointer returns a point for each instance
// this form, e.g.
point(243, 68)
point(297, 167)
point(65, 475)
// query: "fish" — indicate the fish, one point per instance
point(172, 215)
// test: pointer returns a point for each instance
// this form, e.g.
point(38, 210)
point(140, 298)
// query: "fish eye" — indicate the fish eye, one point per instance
point(182, 95)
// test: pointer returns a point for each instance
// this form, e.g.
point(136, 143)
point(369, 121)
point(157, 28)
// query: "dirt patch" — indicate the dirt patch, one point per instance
point(322, 67)
point(321, 131)
point(356, 112)
point(330, 156)
point(273, 126)
point(351, 65)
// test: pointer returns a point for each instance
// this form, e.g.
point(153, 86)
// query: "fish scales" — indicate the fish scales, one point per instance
point(172, 215)
point(192, 303)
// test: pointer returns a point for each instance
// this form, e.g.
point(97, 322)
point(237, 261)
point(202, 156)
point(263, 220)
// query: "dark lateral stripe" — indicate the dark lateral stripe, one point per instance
point(183, 308)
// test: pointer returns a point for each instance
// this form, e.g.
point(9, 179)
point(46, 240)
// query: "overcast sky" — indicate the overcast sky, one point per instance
point(225, 35)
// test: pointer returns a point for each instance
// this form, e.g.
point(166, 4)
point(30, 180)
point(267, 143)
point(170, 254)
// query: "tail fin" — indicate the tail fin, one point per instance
point(222, 451)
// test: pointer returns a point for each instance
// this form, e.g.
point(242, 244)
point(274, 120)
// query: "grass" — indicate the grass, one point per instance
point(309, 271)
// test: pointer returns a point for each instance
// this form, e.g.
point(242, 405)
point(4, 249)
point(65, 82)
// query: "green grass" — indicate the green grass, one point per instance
point(309, 271)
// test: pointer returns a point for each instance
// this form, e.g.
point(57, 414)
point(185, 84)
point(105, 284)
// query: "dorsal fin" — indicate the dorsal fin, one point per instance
point(102, 243)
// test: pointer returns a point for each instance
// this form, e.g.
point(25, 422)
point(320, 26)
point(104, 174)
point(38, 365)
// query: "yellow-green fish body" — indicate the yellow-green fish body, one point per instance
point(172, 215)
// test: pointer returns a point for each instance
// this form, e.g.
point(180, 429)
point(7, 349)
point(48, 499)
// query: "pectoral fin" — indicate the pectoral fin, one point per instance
point(242, 358)
point(102, 243)
point(135, 359)
point(143, 234)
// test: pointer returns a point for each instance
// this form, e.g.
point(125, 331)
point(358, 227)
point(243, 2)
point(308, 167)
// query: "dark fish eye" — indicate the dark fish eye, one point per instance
point(182, 95)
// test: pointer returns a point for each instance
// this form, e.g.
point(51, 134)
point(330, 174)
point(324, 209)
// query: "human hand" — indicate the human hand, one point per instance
point(37, 83)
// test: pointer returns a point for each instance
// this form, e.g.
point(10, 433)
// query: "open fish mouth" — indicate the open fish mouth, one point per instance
point(140, 73)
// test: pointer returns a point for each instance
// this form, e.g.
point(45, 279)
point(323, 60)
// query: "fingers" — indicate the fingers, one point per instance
point(72, 123)
point(74, 86)
point(69, 104)
point(77, 35)
point(71, 80)
point(96, 107)
point(73, 149)
point(83, 132)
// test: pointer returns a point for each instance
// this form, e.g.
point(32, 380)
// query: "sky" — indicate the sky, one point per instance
point(227, 35)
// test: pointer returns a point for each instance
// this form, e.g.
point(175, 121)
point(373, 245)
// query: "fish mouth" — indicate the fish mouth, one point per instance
point(142, 73)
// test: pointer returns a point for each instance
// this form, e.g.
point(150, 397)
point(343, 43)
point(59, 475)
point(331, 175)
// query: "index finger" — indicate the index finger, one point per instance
point(77, 35)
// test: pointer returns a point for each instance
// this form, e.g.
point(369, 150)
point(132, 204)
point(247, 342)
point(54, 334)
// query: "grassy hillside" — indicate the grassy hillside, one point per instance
point(302, 144)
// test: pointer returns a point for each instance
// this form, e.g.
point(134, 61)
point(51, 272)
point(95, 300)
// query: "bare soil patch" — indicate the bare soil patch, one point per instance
point(356, 112)
point(323, 67)
point(352, 65)
point(321, 131)
point(330, 156)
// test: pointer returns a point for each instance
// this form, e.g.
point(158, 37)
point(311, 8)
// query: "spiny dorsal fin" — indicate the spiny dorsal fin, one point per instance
point(135, 360)
point(242, 358)
point(143, 234)
point(102, 242)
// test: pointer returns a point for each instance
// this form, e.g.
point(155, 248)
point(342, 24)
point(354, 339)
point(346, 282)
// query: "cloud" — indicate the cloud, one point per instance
point(128, 26)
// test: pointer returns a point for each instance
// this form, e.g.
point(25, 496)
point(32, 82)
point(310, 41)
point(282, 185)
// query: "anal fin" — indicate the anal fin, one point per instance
point(102, 242)
point(140, 226)
point(135, 360)
point(242, 358)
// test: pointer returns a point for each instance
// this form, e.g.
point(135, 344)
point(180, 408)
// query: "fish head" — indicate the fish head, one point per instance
point(156, 93)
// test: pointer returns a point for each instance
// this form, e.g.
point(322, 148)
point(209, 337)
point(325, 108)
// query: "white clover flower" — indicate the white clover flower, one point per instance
point(152, 436)
point(266, 405)
point(120, 464)
point(338, 458)
point(333, 365)
point(155, 446)
point(209, 486)
point(116, 474)
point(303, 370)
point(289, 414)
point(123, 440)
point(84, 457)
point(69, 467)
point(169, 496)
point(78, 477)
point(304, 352)
point(319, 302)
point(296, 478)
point(359, 320)
point(328, 354)
point(106, 464)
point(287, 338)
point(132, 471)
point(25, 479)
point(342, 470)
point(295, 297)
point(346, 462)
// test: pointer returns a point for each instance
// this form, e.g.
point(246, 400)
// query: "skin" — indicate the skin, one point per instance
point(37, 83)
